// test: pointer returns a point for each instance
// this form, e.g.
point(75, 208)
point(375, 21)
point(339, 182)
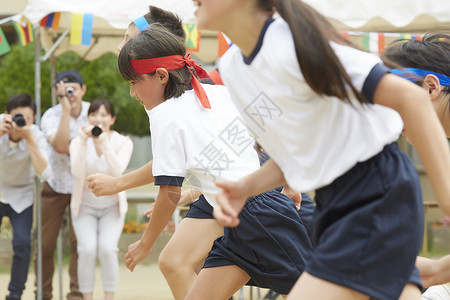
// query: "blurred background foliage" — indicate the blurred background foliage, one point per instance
point(101, 76)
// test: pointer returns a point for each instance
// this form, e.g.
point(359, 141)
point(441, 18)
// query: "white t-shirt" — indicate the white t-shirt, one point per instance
point(200, 145)
point(96, 164)
point(313, 139)
point(16, 169)
point(62, 181)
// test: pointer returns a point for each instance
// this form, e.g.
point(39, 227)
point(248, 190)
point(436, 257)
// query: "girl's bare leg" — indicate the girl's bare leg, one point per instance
point(311, 287)
point(218, 283)
point(187, 248)
point(411, 291)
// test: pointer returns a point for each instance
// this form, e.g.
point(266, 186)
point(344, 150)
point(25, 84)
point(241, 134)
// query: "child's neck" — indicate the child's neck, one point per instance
point(246, 35)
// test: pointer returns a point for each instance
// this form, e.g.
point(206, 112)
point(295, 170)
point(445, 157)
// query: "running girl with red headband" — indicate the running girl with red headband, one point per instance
point(198, 136)
point(296, 81)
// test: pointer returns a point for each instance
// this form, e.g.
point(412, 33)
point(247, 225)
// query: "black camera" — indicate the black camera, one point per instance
point(19, 120)
point(69, 91)
point(96, 131)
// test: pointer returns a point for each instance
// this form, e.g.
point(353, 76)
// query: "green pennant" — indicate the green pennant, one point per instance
point(4, 46)
point(366, 41)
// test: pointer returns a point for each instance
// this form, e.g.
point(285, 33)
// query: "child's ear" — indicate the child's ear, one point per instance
point(432, 85)
point(163, 75)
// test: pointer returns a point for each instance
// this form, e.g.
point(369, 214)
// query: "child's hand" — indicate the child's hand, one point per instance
point(136, 253)
point(231, 199)
point(103, 184)
point(295, 196)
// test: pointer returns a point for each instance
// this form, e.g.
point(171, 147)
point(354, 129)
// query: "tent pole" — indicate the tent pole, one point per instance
point(55, 45)
point(37, 96)
point(52, 78)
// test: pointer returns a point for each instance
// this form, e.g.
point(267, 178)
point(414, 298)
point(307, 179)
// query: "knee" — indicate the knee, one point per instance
point(107, 251)
point(22, 249)
point(88, 251)
point(22, 245)
point(169, 263)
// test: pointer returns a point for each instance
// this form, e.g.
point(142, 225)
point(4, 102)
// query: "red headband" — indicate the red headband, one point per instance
point(148, 66)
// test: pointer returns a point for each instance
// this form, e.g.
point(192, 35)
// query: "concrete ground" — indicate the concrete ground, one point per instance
point(145, 282)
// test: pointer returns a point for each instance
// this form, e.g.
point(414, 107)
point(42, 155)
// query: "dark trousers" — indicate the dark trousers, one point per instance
point(21, 225)
point(53, 209)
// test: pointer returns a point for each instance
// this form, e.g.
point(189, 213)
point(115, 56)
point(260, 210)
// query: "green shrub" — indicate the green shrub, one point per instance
point(101, 77)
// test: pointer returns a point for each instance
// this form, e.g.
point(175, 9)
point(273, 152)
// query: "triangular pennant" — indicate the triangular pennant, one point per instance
point(51, 20)
point(192, 36)
point(366, 41)
point(381, 43)
point(345, 35)
point(4, 45)
point(223, 44)
point(24, 31)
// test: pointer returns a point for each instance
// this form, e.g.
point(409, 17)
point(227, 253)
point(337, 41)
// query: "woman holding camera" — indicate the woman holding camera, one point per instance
point(98, 221)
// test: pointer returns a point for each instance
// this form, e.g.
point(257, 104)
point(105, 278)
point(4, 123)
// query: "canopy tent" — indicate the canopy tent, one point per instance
point(407, 16)
point(113, 17)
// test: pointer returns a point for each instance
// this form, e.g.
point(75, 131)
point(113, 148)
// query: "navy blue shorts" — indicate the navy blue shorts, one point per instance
point(306, 213)
point(200, 209)
point(271, 243)
point(368, 226)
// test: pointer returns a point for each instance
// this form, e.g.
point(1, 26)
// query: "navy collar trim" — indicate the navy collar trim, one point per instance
point(248, 59)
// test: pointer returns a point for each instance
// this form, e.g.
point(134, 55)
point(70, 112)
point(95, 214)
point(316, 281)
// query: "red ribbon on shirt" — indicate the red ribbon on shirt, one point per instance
point(173, 62)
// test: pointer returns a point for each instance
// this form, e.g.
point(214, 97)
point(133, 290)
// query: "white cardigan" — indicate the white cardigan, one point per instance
point(117, 151)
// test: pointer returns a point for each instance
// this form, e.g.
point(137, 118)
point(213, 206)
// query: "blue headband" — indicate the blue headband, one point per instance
point(141, 23)
point(406, 73)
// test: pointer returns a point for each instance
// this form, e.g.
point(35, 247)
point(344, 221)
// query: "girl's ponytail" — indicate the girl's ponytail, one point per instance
point(320, 66)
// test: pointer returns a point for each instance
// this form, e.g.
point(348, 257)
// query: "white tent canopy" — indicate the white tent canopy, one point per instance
point(112, 18)
point(411, 16)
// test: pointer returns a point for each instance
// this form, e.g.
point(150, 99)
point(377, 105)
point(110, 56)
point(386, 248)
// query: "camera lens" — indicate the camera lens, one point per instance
point(69, 91)
point(19, 120)
point(96, 131)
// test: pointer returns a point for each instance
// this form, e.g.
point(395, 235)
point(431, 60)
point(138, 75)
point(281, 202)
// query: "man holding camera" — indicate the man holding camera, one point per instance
point(23, 153)
point(60, 124)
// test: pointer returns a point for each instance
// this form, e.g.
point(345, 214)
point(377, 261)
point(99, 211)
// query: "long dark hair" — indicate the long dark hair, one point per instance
point(432, 53)
point(312, 34)
point(152, 43)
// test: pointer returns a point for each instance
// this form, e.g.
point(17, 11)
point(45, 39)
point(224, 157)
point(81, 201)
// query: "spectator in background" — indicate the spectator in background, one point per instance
point(23, 153)
point(60, 124)
point(98, 221)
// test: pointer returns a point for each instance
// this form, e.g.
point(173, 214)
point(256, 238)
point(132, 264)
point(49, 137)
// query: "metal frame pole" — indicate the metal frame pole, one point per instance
point(37, 96)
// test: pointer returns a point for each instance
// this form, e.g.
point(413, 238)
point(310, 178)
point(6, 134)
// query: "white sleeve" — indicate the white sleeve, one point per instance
point(357, 63)
point(169, 153)
point(117, 155)
point(78, 153)
point(44, 148)
point(50, 122)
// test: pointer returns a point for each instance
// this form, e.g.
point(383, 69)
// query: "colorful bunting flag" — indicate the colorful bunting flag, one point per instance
point(345, 35)
point(381, 43)
point(81, 31)
point(51, 20)
point(192, 36)
point(24, 31)
point(366, 41)
point(4, 45)
point(223, 44)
